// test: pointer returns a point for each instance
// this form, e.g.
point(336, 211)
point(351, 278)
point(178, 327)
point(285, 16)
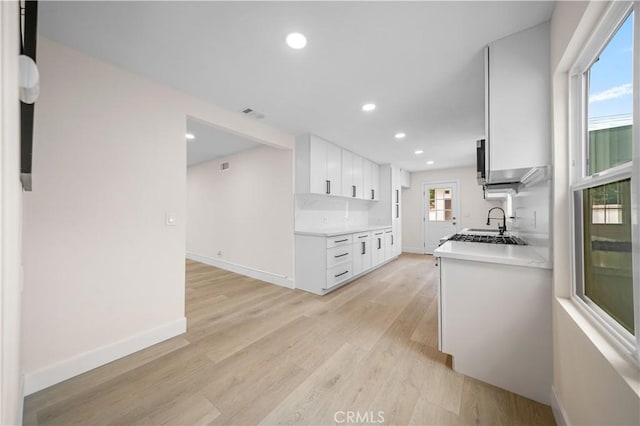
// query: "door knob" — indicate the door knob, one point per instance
point(454, 223)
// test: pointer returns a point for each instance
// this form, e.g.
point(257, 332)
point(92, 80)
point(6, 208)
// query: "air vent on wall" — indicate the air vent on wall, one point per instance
point(224, 166)
point(252, 113)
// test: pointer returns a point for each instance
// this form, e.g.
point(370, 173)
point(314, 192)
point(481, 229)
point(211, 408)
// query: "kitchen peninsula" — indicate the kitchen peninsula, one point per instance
point(495, 316)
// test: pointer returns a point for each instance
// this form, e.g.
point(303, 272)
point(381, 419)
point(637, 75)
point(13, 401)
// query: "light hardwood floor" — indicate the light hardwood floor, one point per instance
point(257, 353)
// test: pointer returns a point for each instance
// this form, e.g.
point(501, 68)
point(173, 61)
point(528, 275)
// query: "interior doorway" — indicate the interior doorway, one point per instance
point(440, 207)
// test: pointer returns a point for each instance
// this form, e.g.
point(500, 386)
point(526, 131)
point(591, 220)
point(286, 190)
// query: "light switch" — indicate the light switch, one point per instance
point(171, 219)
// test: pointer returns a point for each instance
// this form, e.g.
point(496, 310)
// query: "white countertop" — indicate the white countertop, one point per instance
point(332, 232)
point(506, 254)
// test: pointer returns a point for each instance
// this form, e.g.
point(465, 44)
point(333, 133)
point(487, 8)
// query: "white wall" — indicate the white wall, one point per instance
point(473, 206)
point(245, 212)
point(10, 219)
point(532, 211)
point(319, 212)
point(103, 274)
point(594, 383)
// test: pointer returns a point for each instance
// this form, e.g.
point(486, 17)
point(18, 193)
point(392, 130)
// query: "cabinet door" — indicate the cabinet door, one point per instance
point(377, 249)
point(358, 248)
point(519, 88)
point(366, 179)
point(347, 174)
point(375, 181)
point(361, 256)
point(334, 169)
point(405, 179)
point(318, 166)
point(388, 245)
point(365, 253)
point(397, 238)
point(357, 174)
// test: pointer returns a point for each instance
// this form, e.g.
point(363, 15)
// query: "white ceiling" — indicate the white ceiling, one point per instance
point(420, 62)
point(211, 143)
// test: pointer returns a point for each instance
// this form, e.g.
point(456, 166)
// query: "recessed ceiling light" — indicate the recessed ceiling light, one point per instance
point(400, 135)
point(190, 136)
point(368, 107)
point(418, 152)
point(296, 41)
point(430, 162)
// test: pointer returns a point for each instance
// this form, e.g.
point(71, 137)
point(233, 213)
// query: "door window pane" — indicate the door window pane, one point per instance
point(608, 275)
point(440, 208)
point(610, 102)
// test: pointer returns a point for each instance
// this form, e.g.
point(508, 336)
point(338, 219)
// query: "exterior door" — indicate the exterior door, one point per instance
point(440, 212)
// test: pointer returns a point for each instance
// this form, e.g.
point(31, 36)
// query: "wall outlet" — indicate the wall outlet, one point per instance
point(325, 219)
point(171, 219)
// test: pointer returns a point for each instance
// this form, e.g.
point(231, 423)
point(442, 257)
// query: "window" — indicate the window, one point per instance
point(603, 142)
point(440, 205)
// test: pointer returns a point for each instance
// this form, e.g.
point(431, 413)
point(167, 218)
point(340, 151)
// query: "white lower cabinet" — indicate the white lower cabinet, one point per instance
point(338, 255)
point(377, 251)
point(389, 244)
point(325, 263)
point(361, 252)
point(338, 274)
point(495, 321)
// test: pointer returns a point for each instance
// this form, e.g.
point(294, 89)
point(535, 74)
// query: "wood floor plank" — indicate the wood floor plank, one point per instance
point(316, 399)
point(192, 410)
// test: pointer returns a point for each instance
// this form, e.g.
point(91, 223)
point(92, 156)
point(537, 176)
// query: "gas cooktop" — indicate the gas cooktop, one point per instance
point(491, 239)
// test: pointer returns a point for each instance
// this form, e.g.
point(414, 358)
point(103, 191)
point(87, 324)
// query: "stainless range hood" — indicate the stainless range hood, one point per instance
point(503, 179)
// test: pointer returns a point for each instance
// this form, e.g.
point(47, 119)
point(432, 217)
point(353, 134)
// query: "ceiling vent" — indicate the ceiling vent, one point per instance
point(224, 166)
point(252, 113)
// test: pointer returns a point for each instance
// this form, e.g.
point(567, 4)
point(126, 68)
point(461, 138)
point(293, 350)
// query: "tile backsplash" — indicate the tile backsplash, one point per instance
point(320, 212)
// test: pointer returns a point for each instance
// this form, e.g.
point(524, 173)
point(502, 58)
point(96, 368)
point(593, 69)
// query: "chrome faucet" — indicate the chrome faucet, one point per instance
point(502, 228)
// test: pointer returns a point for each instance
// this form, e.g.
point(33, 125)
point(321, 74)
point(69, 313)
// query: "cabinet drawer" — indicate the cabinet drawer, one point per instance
point(338, 274)
point(377, 234)
point(339, 254)
point(339, 240)
point(362, 236)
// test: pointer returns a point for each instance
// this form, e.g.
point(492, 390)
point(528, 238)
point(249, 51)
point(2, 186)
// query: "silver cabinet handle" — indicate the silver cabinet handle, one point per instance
point(364, 250)
point(340, 255)
point(373, 194)
point(345, 272)
point(353, 190)
point(328, 187)
point(341, 241)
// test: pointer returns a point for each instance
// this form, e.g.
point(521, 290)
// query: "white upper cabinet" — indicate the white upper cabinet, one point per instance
point(318, 166)
point(324, 168)
point(371, 180)
point(518, 100)
point(352, 175)
point(405, 179)
point(334, 169)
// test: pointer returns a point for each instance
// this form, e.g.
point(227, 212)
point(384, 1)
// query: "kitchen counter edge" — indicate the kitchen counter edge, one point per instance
point(334, 232)
point(505, 254)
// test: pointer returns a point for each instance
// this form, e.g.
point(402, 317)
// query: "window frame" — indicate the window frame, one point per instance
point(580, 179)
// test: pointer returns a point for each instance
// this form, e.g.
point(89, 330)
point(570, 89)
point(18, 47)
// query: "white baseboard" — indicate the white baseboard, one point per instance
point(558, 410)
point(269, 277)
point(416, 250)
point(61, 371)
